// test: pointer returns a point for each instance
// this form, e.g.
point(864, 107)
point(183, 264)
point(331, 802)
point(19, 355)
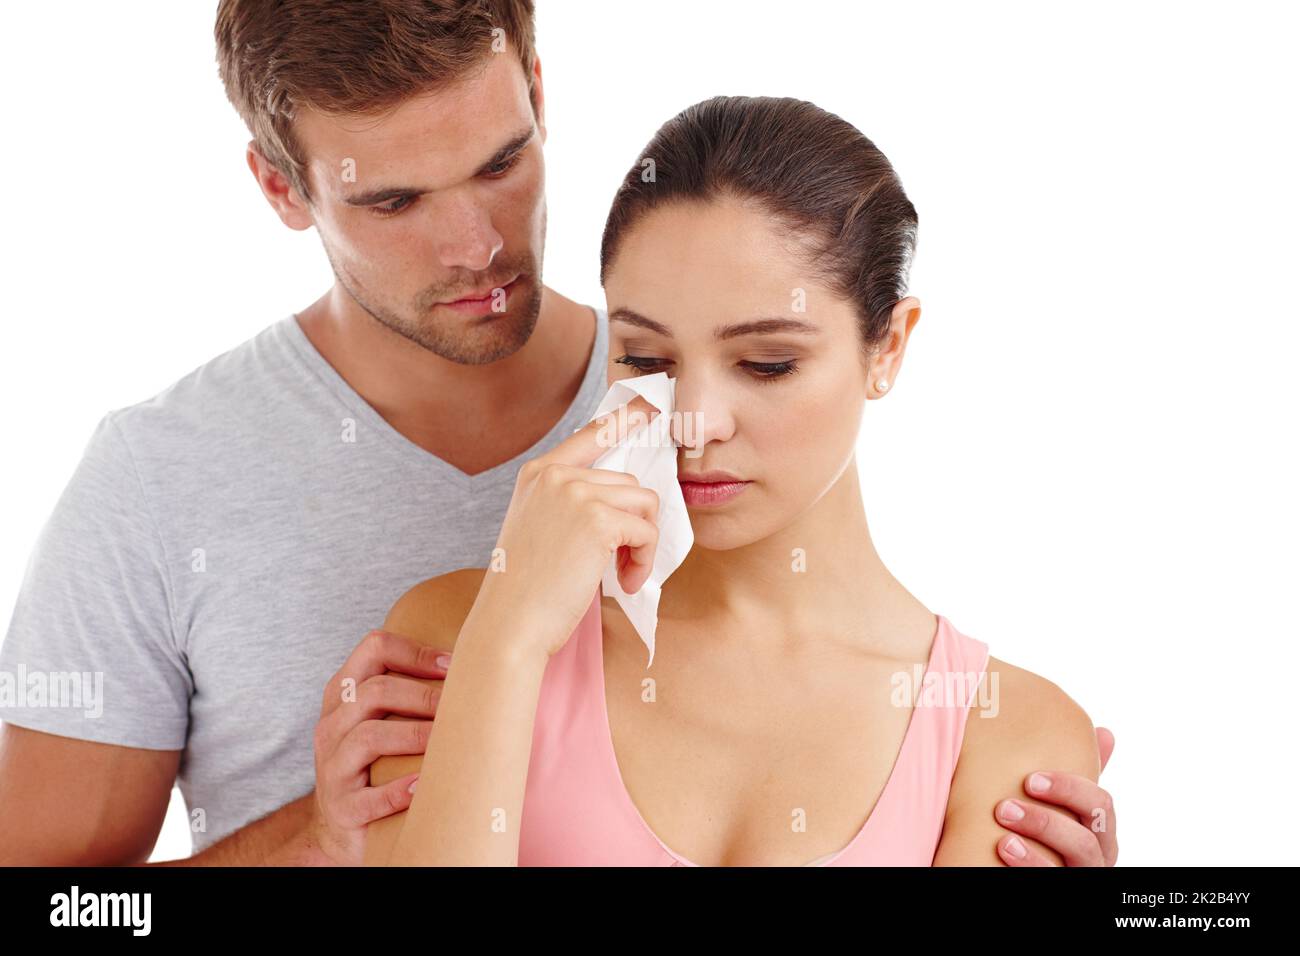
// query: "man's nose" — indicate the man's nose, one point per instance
point(466, 238)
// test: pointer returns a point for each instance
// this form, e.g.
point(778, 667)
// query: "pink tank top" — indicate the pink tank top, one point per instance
point(577, 812)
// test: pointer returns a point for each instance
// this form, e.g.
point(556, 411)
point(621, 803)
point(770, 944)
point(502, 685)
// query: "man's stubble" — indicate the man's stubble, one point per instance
point(466, 341)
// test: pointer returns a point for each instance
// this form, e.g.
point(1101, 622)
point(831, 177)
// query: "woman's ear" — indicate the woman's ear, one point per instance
point(888, 362)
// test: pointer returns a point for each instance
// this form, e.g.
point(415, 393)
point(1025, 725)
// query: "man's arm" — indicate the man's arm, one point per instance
point(281, 838)
point(71, 802)
point(88, 781)
point(391, 676)
point(86, 775)
point(1036, 725)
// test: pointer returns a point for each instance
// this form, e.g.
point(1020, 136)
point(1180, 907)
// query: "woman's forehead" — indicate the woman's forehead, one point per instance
point(721, 252)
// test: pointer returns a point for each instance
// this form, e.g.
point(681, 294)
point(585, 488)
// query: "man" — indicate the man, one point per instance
point(223, 545)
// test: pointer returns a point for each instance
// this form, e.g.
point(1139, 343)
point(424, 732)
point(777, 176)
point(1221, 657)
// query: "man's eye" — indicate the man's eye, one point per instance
point(503, 167)
point(393, 206)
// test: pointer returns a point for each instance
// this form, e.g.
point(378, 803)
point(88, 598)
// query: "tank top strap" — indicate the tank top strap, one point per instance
point(952, 685)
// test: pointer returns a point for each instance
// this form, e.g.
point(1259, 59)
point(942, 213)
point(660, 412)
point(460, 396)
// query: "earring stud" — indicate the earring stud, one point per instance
point(882, 385)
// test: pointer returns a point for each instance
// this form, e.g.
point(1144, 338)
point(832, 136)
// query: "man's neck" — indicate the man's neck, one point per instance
point(471, 416)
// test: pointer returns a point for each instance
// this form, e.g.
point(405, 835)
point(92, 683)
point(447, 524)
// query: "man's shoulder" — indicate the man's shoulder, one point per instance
point(232, 388)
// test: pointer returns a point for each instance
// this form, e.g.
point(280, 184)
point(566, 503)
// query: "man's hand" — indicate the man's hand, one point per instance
point(1087, 841)
point(352, 734)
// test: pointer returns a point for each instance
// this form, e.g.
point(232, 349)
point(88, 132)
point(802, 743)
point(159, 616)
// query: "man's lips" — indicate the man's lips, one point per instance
point(477, 297)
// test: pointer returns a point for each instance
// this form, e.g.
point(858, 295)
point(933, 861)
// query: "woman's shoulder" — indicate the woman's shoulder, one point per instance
point(1019, 722)
point(1018, 714)
point(433, 611)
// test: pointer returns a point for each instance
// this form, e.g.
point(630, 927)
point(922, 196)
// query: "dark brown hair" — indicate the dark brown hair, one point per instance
point(817, 174)
point(352, 56)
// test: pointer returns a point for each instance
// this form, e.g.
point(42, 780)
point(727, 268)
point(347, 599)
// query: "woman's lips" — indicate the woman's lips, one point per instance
point(704, 493)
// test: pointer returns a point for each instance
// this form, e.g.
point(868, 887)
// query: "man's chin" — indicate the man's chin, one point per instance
point(483, 337)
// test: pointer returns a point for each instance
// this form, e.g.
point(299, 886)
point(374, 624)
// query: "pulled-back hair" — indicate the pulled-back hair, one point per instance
point(815, 173)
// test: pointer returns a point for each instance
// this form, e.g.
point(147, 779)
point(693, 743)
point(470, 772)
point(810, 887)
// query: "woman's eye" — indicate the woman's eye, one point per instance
point(762, 371)
point(394, 206)
point(766, 371)
point(639, 363)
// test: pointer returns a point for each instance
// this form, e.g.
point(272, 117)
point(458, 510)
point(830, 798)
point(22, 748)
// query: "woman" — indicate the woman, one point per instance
point(758, 254)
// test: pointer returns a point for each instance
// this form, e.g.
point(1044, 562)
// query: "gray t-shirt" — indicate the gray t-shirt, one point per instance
point(219, 552)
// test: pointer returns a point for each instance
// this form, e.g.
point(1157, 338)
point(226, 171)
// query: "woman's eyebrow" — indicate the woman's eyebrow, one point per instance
point(764, 327)
point(722, 332)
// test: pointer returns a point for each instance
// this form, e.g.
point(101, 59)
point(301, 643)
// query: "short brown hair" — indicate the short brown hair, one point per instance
point(352, 56)
point(816, 173)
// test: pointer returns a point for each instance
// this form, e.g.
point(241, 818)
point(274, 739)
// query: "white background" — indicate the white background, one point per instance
point(1089, 460)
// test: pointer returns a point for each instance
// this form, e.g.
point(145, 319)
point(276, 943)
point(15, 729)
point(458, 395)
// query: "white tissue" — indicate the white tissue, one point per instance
point(650, 456)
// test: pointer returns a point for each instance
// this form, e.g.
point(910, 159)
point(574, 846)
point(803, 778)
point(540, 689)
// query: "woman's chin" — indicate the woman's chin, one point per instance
point(717, 532)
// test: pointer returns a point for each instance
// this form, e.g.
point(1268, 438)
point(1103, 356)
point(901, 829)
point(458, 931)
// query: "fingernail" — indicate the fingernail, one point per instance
point(1038, 783)
point(1011, 811)
point(1015, 848)
point(443, 661)
point(411, 788)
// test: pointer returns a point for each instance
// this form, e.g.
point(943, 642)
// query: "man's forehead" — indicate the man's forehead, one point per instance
point(445, 133)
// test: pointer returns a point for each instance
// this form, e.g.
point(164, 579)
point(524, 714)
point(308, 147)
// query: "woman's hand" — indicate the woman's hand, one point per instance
point(564, 521)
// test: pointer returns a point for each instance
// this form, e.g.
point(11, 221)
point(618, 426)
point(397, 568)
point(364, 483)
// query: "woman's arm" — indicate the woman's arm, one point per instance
point(432, 613)
point(468, 804)
point(1036, 724)
point(1093, 842)
point(470, 797)
point(565, 522)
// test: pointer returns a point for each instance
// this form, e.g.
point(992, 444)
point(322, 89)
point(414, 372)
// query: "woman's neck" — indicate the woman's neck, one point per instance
point(819, 575)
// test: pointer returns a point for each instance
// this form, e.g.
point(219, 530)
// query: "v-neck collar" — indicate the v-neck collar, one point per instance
point(576, 415)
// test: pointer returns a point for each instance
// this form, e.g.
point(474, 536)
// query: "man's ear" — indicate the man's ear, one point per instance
point(537, 95)
point(279, 192)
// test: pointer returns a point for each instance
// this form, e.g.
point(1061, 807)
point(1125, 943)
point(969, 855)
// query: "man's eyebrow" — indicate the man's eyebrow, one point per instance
point(722, 332)
point(384, 193)
point(517, 143)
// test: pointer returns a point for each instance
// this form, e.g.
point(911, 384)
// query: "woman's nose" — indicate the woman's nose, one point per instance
point(701, 414)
